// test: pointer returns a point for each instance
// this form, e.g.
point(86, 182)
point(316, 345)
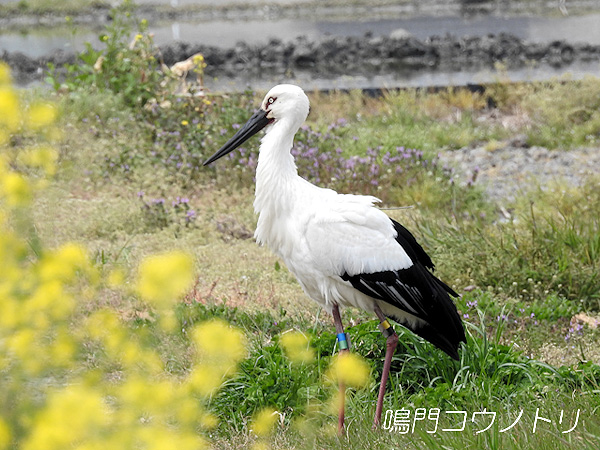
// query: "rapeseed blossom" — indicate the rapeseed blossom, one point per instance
point(297, 347)
point(5, 435)
point(216, 340)
point(68, 418)
point(93, 382)
point(219, 349)
point(43, 157)
point(349, 369)
point(14, 189)
point(41, 116)
point(164, 278)
point(263, 422)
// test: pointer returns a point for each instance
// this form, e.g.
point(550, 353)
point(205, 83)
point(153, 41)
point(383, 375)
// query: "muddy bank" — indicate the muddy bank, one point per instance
point(336, 56)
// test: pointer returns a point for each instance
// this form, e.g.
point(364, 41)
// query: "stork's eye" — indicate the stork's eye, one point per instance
point(271, 100)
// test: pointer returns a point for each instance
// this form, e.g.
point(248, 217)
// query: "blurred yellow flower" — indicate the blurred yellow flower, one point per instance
point(185, 123)
point(297, 347)
point(205, 379)
point(41, 157)
point(262, 423)
point(14, 189)
point(4, 435)
point(72, 415)
point(41, 115)
point(209, 421)
point(65, 263)
point(349, 369)
point(5, 77)
point(62, 350)
point(260, 445)
point(217, 341)
point(164, 278)
point(116, 277)
point(154, 438)
point(9, 108)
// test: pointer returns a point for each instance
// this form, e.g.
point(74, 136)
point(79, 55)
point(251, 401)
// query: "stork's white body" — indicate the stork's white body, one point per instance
point(343, 250)
point(321, 234)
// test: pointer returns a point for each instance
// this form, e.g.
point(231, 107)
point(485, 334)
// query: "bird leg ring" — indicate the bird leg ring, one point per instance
point(343, 342)
point(386, 329)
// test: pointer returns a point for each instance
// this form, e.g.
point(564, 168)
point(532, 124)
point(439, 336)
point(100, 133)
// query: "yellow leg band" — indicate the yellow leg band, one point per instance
point(386, 329)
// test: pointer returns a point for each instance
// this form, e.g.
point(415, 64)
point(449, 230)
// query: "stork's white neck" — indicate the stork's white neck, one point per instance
point(276, 186)
point(276, 171)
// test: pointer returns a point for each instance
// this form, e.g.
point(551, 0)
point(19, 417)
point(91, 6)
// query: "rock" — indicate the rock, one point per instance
point(400, 33)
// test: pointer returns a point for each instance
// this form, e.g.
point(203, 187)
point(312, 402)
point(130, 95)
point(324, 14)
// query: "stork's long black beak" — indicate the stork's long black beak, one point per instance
point(256, 123)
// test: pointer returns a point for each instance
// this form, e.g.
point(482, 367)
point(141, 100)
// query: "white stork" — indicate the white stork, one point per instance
point(342, 249)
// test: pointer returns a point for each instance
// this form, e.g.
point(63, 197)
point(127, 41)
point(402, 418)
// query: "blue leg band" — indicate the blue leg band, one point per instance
point(341, 337)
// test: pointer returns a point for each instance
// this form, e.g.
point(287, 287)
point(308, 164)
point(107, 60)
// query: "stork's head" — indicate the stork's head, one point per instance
point(283, 103)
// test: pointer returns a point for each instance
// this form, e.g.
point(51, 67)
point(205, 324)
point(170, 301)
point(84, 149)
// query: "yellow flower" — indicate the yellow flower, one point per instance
point(164, 278)
point(208, 421)
point(41, 157)
point(4, 435)
point(9, 109)
point(15, 189)
point(116, 277)
point(205, 379)
point(71, 416)
point(161, 438)
point(185, 123)
point(260, 445)
point(62, 350)
point(9, 102)
point(138, 37)
point(5, 77)
point(349, 369)
point(263, 421)
point(218, 342)
point(41, 115)
point(297, 347)
point(65, 263)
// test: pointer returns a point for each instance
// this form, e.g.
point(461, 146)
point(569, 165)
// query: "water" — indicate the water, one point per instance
point(435, 78)
point(226, 33)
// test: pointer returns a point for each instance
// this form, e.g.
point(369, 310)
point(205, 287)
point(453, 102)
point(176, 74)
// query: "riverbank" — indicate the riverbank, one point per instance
point(367, 56)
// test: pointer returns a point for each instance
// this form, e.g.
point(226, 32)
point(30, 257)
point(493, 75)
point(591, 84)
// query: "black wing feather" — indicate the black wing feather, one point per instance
point(416, 291)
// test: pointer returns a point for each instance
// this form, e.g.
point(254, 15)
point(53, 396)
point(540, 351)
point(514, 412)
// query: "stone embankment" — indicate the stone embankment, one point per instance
point(365, 55)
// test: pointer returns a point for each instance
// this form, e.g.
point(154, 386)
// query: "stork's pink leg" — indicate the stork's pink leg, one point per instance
point(390, 348)
point(343, 347)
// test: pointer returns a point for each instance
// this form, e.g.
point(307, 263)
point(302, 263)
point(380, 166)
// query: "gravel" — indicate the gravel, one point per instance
point(512, 170)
